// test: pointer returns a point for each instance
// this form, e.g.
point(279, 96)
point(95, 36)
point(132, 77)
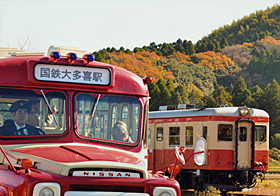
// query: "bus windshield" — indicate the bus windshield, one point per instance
point(26, 113)
point(108, 117)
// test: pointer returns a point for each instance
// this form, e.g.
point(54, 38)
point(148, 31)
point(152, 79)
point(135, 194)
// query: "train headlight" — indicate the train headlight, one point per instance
point(46, 189)
point(244, 111)
point(164, 191)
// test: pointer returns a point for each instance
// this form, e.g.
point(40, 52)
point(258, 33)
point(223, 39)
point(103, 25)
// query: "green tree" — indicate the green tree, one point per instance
point(257, 94)
point(240, 92)
point(176, 99)
point(154, 92)
point(222, 97)
point(196, 98)
point(170, 86)
point(165, 95)
point(224, 42)
point(183, 93)
point(271, 104)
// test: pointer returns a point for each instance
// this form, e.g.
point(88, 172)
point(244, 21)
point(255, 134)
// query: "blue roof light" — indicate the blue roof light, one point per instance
point(73, 56)
point(88, 58)
point(55, 55)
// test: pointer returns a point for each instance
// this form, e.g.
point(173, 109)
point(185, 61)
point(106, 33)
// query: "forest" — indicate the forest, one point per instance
point(237, 64)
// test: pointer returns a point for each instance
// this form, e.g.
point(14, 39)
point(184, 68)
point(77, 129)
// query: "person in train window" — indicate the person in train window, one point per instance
point(120, 132)
point(227, 135)
point(20, 111)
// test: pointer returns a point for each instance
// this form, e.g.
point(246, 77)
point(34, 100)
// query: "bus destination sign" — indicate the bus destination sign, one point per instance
point(72, 74)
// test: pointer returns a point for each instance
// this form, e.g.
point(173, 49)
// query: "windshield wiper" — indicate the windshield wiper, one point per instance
point(93, 110)
point(49, 107)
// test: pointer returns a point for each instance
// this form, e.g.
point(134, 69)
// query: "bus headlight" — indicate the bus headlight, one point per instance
point(164, 194)
point(46, 192)
point(164, 191)
point(46, 189)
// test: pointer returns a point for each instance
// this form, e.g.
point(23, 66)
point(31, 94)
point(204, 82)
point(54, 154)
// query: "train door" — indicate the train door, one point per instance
point(244, 144)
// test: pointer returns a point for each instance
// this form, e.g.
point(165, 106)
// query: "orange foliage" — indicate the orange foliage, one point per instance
point(270, 41)
point(246, 45)
point(140, 63)
point(214, 60)
point(181, 57)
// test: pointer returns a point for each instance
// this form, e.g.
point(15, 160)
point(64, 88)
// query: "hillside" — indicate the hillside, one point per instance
point(237, 64)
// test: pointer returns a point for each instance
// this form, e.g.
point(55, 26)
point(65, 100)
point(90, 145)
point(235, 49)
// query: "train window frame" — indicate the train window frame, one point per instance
point(175, 137)
point(257, 134)
point(204, 132)
point(158, 134)
point(241, 136)
point(188, 136)
point(221, 132)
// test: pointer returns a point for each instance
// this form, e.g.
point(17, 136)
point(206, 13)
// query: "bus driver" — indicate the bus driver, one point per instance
point(20, 110)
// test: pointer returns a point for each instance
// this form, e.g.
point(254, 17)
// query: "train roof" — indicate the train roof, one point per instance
point(221, 111)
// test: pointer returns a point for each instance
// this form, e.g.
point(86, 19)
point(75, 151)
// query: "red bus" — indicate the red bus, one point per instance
point(73, 126)
point(237, 144)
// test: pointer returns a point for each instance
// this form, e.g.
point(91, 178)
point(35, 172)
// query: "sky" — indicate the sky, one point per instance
point(92, 25)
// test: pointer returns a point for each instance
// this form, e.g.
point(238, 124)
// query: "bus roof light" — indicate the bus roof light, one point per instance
point(71, 57)
point(147, 80)
point(88, 58)
point(55, 55)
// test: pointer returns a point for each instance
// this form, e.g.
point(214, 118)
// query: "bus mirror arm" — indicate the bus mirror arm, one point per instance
point(11, 165)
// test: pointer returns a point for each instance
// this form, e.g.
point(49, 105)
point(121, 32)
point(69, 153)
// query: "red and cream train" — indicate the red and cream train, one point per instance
point(237, 144)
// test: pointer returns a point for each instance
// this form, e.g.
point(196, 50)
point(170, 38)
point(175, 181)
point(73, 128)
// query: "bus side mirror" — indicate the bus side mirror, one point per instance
point(199, 150)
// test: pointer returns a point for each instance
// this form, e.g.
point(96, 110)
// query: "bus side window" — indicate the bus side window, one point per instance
point(159, 134)
point(174, 136)
point(189, 136)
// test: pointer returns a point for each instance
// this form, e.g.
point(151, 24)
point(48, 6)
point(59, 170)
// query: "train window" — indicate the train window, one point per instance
point(204, 132)
point(260, 133)
point(159, 133)
point(189, 136)
point(243, 134)
point(149, 137)
point(224, 132)
point(174, 136)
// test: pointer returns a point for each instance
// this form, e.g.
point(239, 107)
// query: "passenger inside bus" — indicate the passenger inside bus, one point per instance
point(34, 115)
point(20, 111)
point(120, 132)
